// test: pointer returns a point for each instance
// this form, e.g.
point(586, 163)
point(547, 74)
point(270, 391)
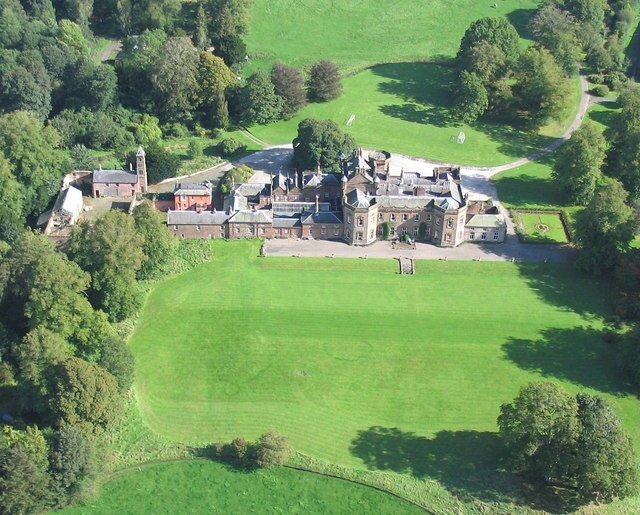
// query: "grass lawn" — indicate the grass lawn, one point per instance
point(208, 487)
point(360, 33)
point(541, 228)
point(364, 367)
point(404, 108)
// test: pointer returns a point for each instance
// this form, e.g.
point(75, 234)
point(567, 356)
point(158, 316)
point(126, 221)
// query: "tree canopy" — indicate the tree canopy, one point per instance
point(318, 144)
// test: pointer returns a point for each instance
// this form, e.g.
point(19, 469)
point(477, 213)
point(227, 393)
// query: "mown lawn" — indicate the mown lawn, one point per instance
point(404, 108)
point(360, 33)
point(208, 487)
point(541, 228)
point(363, 367)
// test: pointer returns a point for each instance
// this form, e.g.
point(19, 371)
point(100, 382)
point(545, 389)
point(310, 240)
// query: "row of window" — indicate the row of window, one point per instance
point(483, 235)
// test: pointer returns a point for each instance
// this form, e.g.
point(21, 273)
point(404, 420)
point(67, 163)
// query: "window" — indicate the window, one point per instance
point(496, 235)
point(348, 219)
point(197, 227)
point(379, 229)
point(472, 235)
point(371, 234)
point(251, 230)
point(323, 229)
point(483, 236)
point(415, 232)
point(449, 223)
point(237, 230)
point(336, 232)
point(404, 231)
point(261, 230)
point(447, 238)
point(416, 218)
point(175, 227)
point(360, 222)
point(359, 235)
point(428, 218)
point(380, 217)
point(405, 217)
point(437, 221)
point(428, 230)
point(393, 217)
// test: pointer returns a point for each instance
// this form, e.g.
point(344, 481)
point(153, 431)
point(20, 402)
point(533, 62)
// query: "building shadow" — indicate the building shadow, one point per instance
point(578, 355)
point(467, 463)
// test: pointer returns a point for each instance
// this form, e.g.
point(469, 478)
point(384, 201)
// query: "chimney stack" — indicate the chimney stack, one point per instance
point(317, 203)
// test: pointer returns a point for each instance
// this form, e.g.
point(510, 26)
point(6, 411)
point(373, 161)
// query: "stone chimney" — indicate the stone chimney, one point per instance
point(317, 203)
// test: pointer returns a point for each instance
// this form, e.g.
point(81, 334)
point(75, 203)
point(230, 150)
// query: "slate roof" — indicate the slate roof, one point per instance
point(493, 221)
point(190, 188)
point(248, 189)
point(356, 198)
point(403, 202)
point(322, 217)
point(195, 218)
point(114, 177)
point(252, 217)
point(282, 222)
point(69, 200)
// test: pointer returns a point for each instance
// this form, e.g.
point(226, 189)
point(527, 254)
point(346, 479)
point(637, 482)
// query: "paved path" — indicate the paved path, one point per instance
point(512, 249)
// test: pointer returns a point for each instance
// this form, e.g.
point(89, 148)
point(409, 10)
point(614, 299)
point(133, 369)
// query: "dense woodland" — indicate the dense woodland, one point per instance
point(64, 363)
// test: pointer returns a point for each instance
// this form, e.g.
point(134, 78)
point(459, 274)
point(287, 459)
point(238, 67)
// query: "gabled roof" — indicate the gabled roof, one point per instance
point(140, 152)
point(403, 202)
point(252, 217)
point(69, 200)
point(191, 188)
point(114, 177)
point(195, 218)
point(286, 222)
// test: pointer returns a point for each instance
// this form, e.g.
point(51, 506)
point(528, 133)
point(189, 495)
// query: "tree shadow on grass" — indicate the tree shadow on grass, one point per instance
point(467, 463)
point(604, 117)
point(423, 87)
point(567, 288)
point(520, 19)
point(578, 355)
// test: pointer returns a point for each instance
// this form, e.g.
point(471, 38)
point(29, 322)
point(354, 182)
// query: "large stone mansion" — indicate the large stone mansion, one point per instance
point(364, 203)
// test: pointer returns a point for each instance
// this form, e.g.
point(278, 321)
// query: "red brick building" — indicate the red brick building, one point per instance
point(192, 197)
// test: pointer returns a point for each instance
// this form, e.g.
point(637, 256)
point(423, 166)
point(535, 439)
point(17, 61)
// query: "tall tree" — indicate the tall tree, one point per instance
point(496, 31)
point(472, 99)
point(539, 429)
point(228, 18)
point(557, 30)
point(260, 102)
point(605, 228)
point(86, 396)
point(577, 169)
point(12, 217)
point(175, 78)
point(324, 82)
point(289, 84)
point(158, 244)
point(214, 77)
point(623, 158)
point(201, 35)
point(318, 144)
point(111, 250)
point(29, 147)
point(606, 465)
point(541, 87)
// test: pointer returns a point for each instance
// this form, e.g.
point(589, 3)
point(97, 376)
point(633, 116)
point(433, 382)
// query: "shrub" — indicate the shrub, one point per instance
point(229, 146)
point(272, 450)
point(239, 449)
point(195, 149)
point(601, 90)
point(387, 230)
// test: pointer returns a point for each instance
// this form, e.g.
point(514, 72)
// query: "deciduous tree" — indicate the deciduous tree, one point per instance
point(289, 84)
point(605, 228)
point(472, 99)
point(272, 450)
point(577, 168)
point(318, 144)
point(158, 245)
point(260, 102)
point(496, 31)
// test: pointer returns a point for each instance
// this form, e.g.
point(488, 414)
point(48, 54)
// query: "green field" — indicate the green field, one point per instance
point(360, 33)
point(541, 228)
point(209, 487)
point(403, 108)
point(361, 366)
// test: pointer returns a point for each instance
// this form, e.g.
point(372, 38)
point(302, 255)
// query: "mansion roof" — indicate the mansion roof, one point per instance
point(490, 221)
point(195, 218)
point(192, 189)
point(250, 216)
